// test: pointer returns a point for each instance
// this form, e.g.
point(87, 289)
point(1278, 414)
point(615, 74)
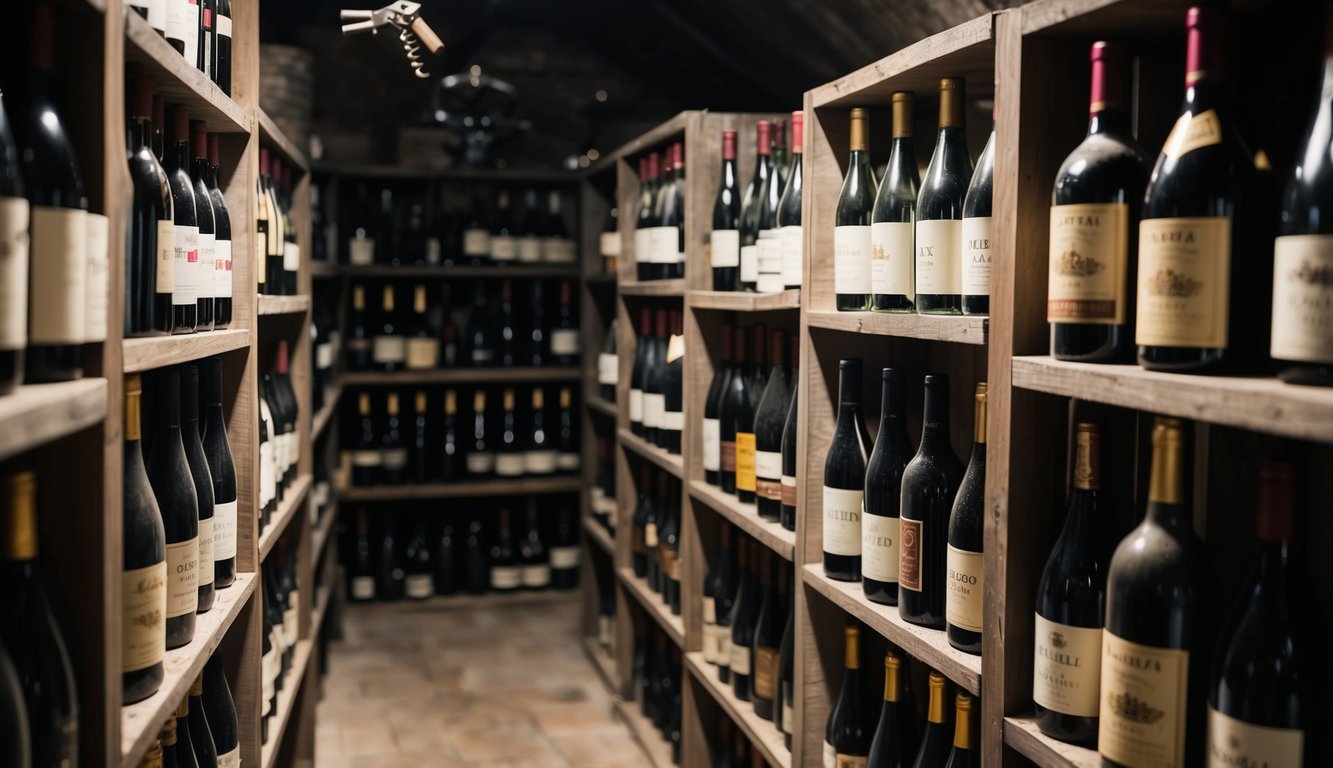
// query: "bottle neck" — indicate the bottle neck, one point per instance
point(182, 156)
point(20, 542)
point(892, 685)
point(141, 135)
point(935, 712)
point(962, 730)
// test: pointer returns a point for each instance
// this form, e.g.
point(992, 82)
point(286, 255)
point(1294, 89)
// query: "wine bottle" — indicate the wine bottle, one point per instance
point(503, 244)
point(361, 571)
point(539, 456)
point(671, 218)
point(892, 283)
point(637, 372)
point(480, 341)
point(1095, 208)
point(975, 268)
point(752, 203)
point(565, 552)
point(13, 716)
point(57, 264)
point(565, 332)
point(282, 431)
point(359, 246)
point(451, 459)
point(267, 486)
point(202, 477)
point(183, 28)
point(786, 704)
point(844, 479)
point(420, 448)
point(712, 423)
point(719, 591)
point(276, 232)
point(769, 421)
point(652, 525)
point(768, 631)
point(724, 241)
point(673, 383)
point(789, 208)
point(222, 65)
point(388, 567)
point(169, 473)
point(30, 633)
point(1071, 607)
point(536, 337)
point(222, 288)
point(883, 493)
point(476, 561)
point(207, 37)
point(930, 484)
point(201, 734)
point(743, 613)
point(388, 345)
point(506, 576)
point(508, 454)
point(567, 458)
point(654, 396)
point(151, 244)
point(162, 751)
point(447, 559)
point(185, 207)
point(14, 261)
point(768, 248)
point(1302, 317)
point(608, 242)
point(735, 408)
point(418, 573)
point(144, 567)
point(422, 352)
point(852, 223)
point(1200, 309)
point(1256, 715)
point(529, 241)
point(848, 734)
point(184, 750)
point(668, 550)
point(533, 558)
point(643, 513)
point(790, 429)
point(367, 458)
point(1154, 656)
point(964, 597)
point(939, 210)
point(481, 451)
point(207, 222)
point(645, 257)
point(887, 748)
point(743, 416)
point(608, 363)
point(360, 347)
point(964, 753)
point(220, 709)
point(937, 740)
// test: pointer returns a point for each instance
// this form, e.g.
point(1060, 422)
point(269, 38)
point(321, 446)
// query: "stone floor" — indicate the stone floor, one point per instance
point(506, 687)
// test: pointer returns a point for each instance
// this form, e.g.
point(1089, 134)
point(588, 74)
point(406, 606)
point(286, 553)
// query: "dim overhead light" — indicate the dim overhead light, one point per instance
point(600, 95)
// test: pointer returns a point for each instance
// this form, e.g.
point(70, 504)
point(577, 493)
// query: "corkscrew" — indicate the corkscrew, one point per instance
point(413, 31)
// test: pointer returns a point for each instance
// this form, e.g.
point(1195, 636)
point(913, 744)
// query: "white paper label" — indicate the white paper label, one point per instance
point(830, 756)
point(740, 659)
point(185, 290)
point(419, 586)
point(361, 251)
point(537, 576)
point(529, 250)
point(509, 464)
point(224, 30)
point(712, 445)
point(363, 588)
point(433, 250)
point(231, 759)
point(324, 356)
point(182, 578)
point(504, 248)
point(224, 530)
point(842, 521)
point(58, 271)
point(641, 254)
point(506, 577)
point(749, 264)
point(204, 279)
point(143, 611)
point(891, 259)
point(567, 461)
point(558, 250)
point(565, 558)
point(205, 551)
point(1233, 742)
point(672, 421)
point(565, 341)
point(183, 25)
point(787, 716)
point(98, 290)
point(939, 246)
point(1066, 668)
point(976, 256)
point(725, 247)
point(291, 257)
point(166, 256)
point(879, 548)
point(654, 405)
point(964, 598)
point(476, 242)
point(480, 463)
point(851, 259)
point(664, 244)
point(608, 369)
point(222, 269)
point(13, 272)
point(636, 405)
point(1303, 298)
point(389, 349)
point(539, 462)
point(609, 244)
point(793, 252)
point(768, 465)
point(157, 15)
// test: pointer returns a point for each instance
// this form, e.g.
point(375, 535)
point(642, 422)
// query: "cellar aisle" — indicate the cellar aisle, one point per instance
point(494, 687)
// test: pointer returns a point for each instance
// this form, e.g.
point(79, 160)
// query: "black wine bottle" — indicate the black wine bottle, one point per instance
point(566, 555)
point(768, 631)
point(608, 363)
point(506, 575)
point(564, 329)
point(361, 569)
point(418, 573)
point(14, 217)
point(1204, 285)
point(752, 203)
point(768, 247)
point(975, 269)
point(736, 411)
point(639, 522)
point(671, 218)
point(1071, 606)
point(637, 371)
point(222, 65)
point(481, 340)
point(476, 561)
point(220, 709)
point(789, 208)
point(883, 493)
point(769, 421)
point(844, 479)
point(508, 453)
point(539, 454)
point(222, 287)
point(201, 733)
point(937, 740)
point(448, 559)
point(965, 593)
point(203, 480)
point(452, 451)
point(654, 397)
point(187, 270)
point(205, 279)
point(481, 450)
point(719, 591)
point(851, 232)
point(1256, 715)
point(930, 483)
point(939, 210)
point(144, 568)
point(965, 753)
point(184, 750)
point(419, 448)
point(388, 565)
point(888, 747)
point(790, 430)
point(724, 242)
point(712, 422)
point(785, 710)
point(743, 417)
point(649, 167)
point(673, 384)
point(1095, 209)
point(668, 549)
point(533, 557)
point(849, 731)
point(359, 344)
point(421, 347)
point(367, 458)
point(151, 243)
point(169, 472)
point(743, 613)
point(30, 633)
point(892, 284)
point(1156, 645)
point(388, 344)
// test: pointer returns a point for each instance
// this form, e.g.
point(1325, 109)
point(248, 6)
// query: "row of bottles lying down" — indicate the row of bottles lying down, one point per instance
point(391, 556)
point(655, 680)
point(427, 438)
point(534, 326)
point(204, 730)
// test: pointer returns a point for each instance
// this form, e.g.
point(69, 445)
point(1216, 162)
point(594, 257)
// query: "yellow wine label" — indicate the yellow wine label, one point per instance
point(1089, 259)
point(1303, 298)
point(13, 272)
point(765, 672)
point(1233, 742)
point(842, 521)
point(1193, 132)
point(1142, 710)
point(1066, 668)
point(745, 476)
point(850, 761)
point(143, 613)
point(1184, 282)
point(422, 354)
point(964, 597)
point(879, 547)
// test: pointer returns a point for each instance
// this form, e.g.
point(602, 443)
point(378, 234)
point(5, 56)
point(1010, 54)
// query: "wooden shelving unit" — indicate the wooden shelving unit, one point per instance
point(599, 536)
point(652, 604)
point(36, 414)
point(601, 661)
point(292, 503)
point(656, 748)
point(745, 302)
point(291, 689)
point(1022, 734)
point(284, 305)
point(324, 416)
point(762, 733)
point(598, 405)
point(958, 329)
point(180, 82)
point(458, 272)
point(461, 376)
point(746, 517)
point(522, 486)
point(160, 351)
point(667, 288)
point(670, 462)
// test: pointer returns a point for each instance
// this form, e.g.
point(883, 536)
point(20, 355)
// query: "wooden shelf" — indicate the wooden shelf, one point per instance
point(746, 517)
point(672, 463)
point(161, 351)
point(654, 746)
point(496, 175)
point(652, 603)
point(927, 645)
point(523, 486)
point(291, 688)
point(324, 416)
point(320, 536)
point(462, 602)
point(1023, 735)
point(737, 301)
point(284, 305)
point(180, 82)
point(601, 406)
point(601, 278)
point(141, 722)
point(321, 607)
point(601, 661)
point(516, 271)
point(599, 536)
point(958, 329)
point(669, 288)
point(490, 375)
point(324, 269)
point(1262, 404)
point(272, 136)
point(36, 414)
point(763, 734)
point(292, 503)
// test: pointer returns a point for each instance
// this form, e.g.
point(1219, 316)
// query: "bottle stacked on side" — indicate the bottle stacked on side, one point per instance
point(655, 679)
point(747, 635)
point(410, 331)
point(279, 437)
point(199, 31)
point(1106, 637)
point(418, 555)
point(655, 532)
point(420, 437)
point(180, 515)
point(907, 524)
point(659, 224)
point(749, 421)
point(948, 737)
point(910, 244)
point(204, 729)
point(602, 496)
point(755, 243)
point(278, 267)
point(493, 231)
point(656, 405)
point(282, 607)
